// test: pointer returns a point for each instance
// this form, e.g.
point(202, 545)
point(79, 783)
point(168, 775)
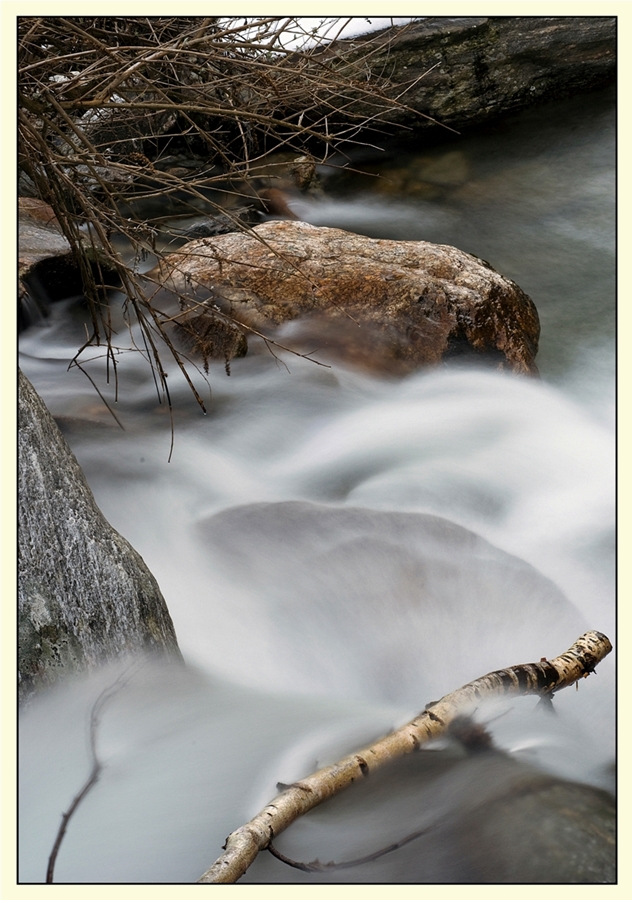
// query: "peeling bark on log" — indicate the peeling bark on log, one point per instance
point(542, 678)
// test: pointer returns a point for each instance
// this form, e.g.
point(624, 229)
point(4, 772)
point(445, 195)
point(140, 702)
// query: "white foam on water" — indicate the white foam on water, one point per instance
point(361, 625)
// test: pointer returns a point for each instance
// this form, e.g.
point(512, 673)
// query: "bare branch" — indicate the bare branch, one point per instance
point(95, 771)
point(105, 100)
point(542, 678)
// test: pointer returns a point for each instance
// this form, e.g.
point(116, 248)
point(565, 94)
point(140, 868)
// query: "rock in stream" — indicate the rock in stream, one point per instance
point(85, 595)
point(387, 306)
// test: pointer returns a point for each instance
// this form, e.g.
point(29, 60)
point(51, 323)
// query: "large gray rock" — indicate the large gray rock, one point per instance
point(475, 68)
point(386, 305)
point(84, 595)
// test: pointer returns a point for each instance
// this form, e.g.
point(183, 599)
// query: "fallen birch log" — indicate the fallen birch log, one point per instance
point(542, 678)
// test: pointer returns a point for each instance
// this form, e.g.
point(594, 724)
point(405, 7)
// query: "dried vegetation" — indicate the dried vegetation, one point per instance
point(117, 113)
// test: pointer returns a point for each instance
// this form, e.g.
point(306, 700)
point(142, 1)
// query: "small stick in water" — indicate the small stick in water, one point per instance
point(542, 678)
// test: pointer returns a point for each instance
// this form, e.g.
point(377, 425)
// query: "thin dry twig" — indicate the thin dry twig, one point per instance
point(95, 770)
point(317, 866)
point(107, 102)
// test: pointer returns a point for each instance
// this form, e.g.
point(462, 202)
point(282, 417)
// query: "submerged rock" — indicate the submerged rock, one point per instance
point(390, 306)
point(379, 605)
point(484, 819)
point(529, 827)
point(84, 595)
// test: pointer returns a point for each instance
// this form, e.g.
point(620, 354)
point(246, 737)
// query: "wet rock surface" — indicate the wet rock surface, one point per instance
point(390, 306)
point(539, 829)
point(475, 68)
point(84, 595)
point(42, 249)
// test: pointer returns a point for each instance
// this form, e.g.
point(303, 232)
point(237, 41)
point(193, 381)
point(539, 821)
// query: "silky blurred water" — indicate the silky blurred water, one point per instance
point(336, 549)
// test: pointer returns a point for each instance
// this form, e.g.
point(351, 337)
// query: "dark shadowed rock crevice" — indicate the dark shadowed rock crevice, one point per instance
point(44, 256)
point(48, 269)
point(85, 595)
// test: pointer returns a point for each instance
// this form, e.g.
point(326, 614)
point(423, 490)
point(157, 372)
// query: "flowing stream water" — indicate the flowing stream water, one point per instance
point(338, 549)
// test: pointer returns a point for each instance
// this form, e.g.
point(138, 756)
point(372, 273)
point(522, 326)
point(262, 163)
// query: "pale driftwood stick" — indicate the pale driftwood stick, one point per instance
point(543, 678)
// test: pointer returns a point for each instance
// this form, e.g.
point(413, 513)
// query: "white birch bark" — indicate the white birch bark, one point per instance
point(542, 678)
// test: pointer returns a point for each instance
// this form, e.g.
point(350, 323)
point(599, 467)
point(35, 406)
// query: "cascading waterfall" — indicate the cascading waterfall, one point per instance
point(338, 549)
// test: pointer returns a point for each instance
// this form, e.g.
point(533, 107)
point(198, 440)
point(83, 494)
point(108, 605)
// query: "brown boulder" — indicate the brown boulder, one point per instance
point(387, 305)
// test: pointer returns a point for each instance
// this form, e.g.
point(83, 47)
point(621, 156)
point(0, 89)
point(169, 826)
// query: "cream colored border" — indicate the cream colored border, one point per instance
point(9, 11)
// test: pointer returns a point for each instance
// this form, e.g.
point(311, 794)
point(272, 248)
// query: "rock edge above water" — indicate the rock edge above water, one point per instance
point(85, 595)
point(472, 69)
point(390, 306)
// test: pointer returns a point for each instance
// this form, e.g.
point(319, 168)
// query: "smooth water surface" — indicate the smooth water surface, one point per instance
point(337, 550)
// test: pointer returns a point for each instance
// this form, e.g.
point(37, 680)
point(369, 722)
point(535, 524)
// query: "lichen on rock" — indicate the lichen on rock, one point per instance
point(85, 595)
